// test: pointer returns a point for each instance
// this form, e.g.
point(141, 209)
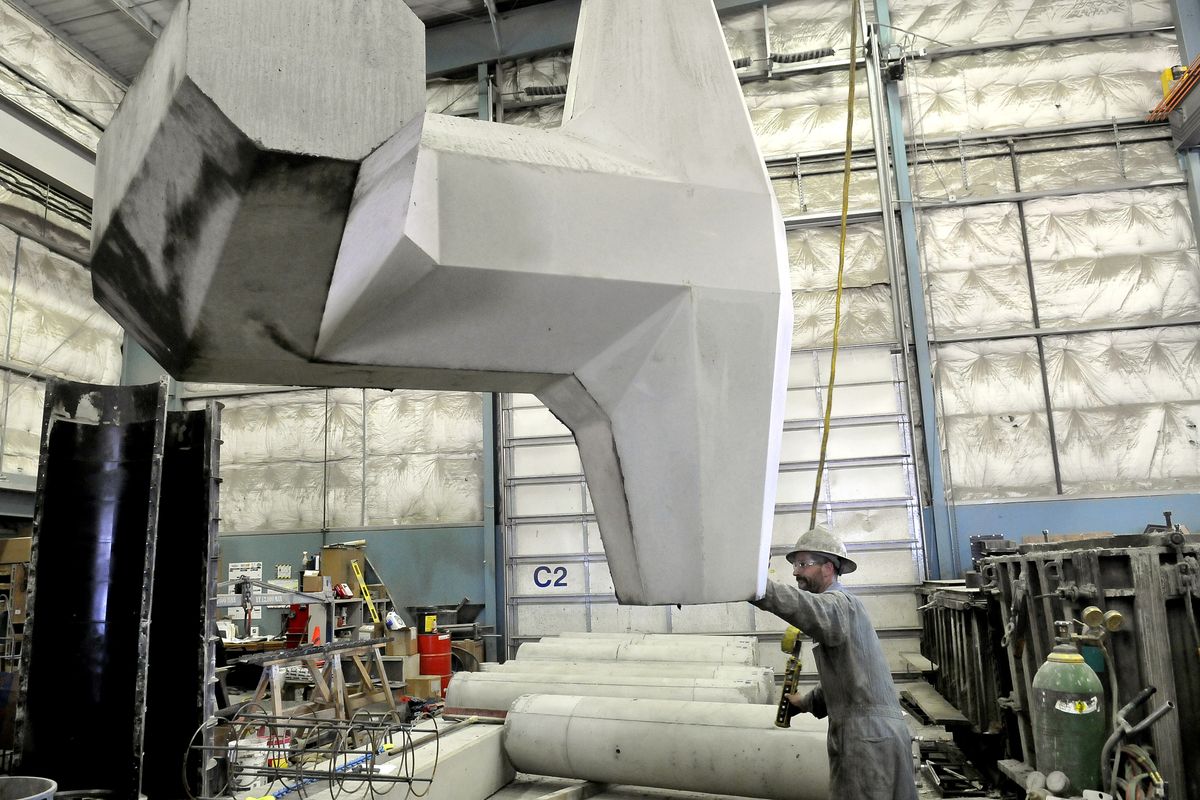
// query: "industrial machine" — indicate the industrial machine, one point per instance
point(1076, 663)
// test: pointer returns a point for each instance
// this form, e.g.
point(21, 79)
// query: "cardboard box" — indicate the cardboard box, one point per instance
point(20, 586)
point(472, 648)
point(401, 668)
point(411, 666)
point(402, 643)
point(15, 550)
point(335, 563)
point(424, 686)
point(314, 584)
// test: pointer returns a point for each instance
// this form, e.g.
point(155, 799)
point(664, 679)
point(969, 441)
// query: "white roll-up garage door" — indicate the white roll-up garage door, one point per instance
point(557, 576)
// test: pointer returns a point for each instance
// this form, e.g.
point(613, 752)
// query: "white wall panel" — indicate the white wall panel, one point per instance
point(999, 20)
point(56, 330)
point(822, 191)
point(1127, 255)
point(993, 419)
point(975, 269)
point(23, 409)
point(1038, 86)
point(806, 113)
point(1138, 431)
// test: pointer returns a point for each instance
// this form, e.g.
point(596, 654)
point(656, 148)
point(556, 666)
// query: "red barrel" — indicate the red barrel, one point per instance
point(435, 655)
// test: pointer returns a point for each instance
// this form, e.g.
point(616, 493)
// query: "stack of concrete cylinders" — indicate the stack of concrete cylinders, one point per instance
point(690, 746)
point(667, 649)
point(497, 691)
point(434, 649)
point(762, 677)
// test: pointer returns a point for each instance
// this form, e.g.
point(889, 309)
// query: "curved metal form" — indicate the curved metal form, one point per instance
point(84, 663)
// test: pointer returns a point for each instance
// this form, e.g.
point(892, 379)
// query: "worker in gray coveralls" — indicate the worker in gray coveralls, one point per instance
point(870, 755)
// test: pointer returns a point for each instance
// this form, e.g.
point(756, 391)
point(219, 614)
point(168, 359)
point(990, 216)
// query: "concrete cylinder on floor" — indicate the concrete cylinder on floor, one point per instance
point(764, 677)
point(701, 747)
point(616, 650)
point(497, 691)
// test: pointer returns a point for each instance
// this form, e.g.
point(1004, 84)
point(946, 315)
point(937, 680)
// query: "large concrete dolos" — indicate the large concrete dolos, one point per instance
point(274, 205)
point(617, 650)
point(497, 691)
point(762, 677)
point(703, 747)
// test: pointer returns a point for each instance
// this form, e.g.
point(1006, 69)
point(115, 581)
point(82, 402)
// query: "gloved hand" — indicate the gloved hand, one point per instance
point(800, 704)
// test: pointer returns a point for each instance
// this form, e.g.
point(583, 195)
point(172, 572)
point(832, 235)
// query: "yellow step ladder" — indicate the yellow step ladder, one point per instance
point(366, 593)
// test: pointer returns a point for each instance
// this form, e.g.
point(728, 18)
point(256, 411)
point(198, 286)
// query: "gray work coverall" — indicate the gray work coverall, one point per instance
point(870, 755)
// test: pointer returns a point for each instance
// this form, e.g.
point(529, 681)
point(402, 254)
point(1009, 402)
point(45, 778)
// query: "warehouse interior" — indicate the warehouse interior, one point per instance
point(235, 562)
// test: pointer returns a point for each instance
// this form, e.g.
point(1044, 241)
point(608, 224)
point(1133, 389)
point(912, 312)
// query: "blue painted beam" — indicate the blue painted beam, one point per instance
point(1018, 519)
point(943, 556)
point(1186, 15)
point(525, 32)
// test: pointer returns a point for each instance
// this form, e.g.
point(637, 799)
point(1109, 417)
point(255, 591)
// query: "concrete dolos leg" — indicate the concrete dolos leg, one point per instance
point(706, 747)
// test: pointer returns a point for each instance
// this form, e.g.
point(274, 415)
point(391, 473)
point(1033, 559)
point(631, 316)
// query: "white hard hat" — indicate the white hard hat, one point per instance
point(822, 541)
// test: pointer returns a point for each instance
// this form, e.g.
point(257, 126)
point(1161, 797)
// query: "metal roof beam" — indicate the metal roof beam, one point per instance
point(527, 32)
point(140, 18)
point(39, 151)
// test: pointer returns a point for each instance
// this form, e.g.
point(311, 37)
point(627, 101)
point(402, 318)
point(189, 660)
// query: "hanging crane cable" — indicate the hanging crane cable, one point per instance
point(837, 301)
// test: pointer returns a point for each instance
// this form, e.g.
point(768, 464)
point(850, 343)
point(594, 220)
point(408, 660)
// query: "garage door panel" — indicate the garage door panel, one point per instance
point(865, 483)
point(549, 538)
point(863, 441)
point(536, 421)
point(543, 500)
point(601, 578)
point(888, 610)
point(877, 568)
point(852, 526)
point(710, 617)
point(549, 619)
point(548, 578)
point(559, 459)
point(613, 618)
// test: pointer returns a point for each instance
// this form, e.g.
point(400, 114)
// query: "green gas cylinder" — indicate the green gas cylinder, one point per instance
point(1068, 718)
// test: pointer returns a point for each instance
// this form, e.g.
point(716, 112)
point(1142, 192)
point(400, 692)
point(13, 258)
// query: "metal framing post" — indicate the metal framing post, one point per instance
point(1186, 15)
point(493, 550)
point(940, 542)
point(485, 93)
